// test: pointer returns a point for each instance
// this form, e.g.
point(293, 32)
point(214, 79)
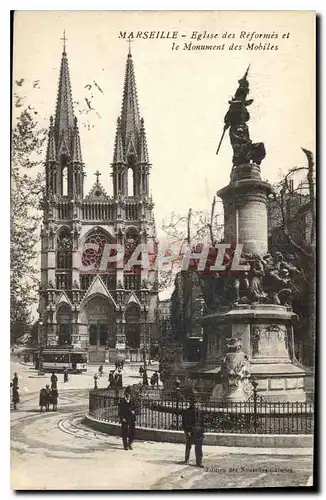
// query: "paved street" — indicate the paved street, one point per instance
point(56, 451)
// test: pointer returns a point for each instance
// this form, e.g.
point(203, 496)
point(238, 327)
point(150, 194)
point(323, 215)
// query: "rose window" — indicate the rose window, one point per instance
point(91, 257)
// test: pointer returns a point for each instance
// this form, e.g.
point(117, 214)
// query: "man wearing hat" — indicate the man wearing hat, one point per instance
point(193, 426)
point(127, 419)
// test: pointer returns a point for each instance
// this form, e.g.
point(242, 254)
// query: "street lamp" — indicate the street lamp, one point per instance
point(144, 337)
point(40, 352)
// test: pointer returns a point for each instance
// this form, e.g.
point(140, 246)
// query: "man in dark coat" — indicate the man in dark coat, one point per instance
point(193, 426)
point(65, 375)
point(54, 397)
point(156, 378)
point(54, 380)
point(44, 399)
point(111, 378)
point(15, 395)
point(15, 380)
point(127, 419)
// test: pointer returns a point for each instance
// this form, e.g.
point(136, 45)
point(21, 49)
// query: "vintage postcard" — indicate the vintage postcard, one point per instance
point(163, 236)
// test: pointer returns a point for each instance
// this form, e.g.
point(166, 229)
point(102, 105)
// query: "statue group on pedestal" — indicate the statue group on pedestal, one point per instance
point(269, 280)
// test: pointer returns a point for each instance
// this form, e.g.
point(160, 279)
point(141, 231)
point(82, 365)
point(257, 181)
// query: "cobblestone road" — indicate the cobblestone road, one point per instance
point(56, 450)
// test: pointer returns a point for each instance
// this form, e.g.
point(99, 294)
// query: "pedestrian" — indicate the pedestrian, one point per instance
point(156, 378)
point(127, 419)
point(152, 380)
point(65, 375)
point(54, 381)
point(116, 364)
point(15, 395)
point(141, 370)
point(44, 399)
point(54, 398)
point(15, 380)
point(193, 426)
point(122, 364)
point(145, 377)
point(95, 381)
point(111, 378)
point(100, 370)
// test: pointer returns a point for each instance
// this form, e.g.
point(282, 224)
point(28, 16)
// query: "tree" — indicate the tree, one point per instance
point(197, 227)
point(28, 139)
point(303, 246)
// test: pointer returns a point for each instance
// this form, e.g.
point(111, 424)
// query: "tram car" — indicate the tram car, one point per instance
point(56, 359)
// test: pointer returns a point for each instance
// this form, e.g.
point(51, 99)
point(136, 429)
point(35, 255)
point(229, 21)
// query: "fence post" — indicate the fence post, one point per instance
point(254, 385)
point(178, 397)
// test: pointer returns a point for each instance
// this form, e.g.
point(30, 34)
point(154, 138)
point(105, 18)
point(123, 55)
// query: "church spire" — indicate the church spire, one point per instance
point(64, 163)
point(130, 120)
point(64, 115)
point(130, 148)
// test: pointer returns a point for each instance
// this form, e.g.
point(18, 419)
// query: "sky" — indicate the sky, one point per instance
point(182, 94)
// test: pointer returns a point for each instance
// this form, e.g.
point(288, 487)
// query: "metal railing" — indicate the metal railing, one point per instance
point(253, 416)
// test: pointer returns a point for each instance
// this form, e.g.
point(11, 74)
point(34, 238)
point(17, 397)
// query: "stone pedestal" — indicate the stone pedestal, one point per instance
point(172, 368)
point(245, 210)
point(266, 334)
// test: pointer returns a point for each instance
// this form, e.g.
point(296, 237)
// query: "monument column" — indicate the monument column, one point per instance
point(245, 209)
point(260, 319)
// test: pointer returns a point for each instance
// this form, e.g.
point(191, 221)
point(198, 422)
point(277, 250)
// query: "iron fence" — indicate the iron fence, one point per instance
point(254, 416)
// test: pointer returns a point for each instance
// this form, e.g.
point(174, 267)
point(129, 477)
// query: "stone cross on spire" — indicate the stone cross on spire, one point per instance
point(64, 39)
point(97, 173)
point(129, 41)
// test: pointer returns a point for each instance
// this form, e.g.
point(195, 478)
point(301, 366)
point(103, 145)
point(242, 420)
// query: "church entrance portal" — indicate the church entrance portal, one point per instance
point(101, 328)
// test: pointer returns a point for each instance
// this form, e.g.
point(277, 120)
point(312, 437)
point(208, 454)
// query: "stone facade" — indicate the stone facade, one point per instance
point(86, 299)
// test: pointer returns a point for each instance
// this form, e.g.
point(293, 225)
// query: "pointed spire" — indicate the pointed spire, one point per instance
point(118, 156)
point(76, 149)
point(143, 154)
point(51, 151)
point(130, 121)
point(64, 116)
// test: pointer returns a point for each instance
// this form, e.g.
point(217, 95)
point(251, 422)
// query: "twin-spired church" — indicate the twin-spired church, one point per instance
point(100, 308)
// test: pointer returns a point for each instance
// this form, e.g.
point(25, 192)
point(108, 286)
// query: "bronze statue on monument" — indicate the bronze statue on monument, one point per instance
point(244, 150)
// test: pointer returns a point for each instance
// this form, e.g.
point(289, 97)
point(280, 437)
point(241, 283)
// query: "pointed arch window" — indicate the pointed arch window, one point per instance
point(132, 277)
point(64, 175)
point(130, 182)
point(64, 250)
point(133, 326)
point(64, 181)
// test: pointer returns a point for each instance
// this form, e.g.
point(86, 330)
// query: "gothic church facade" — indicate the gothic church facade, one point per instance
point(102, 308)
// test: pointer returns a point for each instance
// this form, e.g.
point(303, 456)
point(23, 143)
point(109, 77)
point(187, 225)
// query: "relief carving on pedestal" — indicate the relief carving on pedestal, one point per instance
point(269, 341)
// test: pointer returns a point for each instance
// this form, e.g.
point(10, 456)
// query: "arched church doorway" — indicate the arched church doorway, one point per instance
point(64, 322)
point(101, 323)
point(133, 327)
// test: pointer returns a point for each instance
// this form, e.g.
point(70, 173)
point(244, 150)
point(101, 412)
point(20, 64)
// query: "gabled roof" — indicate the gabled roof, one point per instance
point(63, 299)
point(97, 193)
point(98, 288)
point(132, 299)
